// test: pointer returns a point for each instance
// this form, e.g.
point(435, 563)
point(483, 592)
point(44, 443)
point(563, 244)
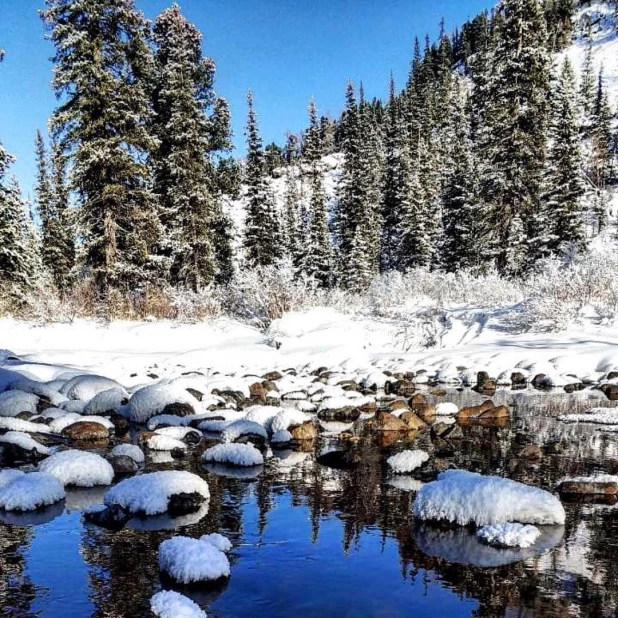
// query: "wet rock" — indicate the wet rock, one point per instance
point(610, 391)
point(271, 376)
point(112, 517)
point(395, 406)
point(371, 407)
point(531, 452)
point(445, 430)
point(306, 431)
point(385, 421)
point(123, 465)
point(426, 412)
point(612, 375)
point(85, 431)
point(607, 488)
point(495, 413)
point(438, 392)
point(25, 416)
point(539, 380)
point(401, 388)
point(197, 394)
point(13, 454)
point(178, 409)
point(429, 472)
point(413, 421)
point(417, 399)
point(518, 380)
point(121, 424)
point(184, 503)
point(340, 460)
point(485, 384)
point(474, 411)
point(340, 415)
point(43, 404)
point(178, 453)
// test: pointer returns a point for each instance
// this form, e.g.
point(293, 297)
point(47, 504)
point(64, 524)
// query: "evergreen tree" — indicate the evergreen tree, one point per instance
point(57, 246)
point(565, 174)
point(102, 65)
point(601, 136)
point(293, 237)
point(261, 226)
point(190, 124)
point(513, 131)
point(317, 258)
point(586, 87)
point(461, 243)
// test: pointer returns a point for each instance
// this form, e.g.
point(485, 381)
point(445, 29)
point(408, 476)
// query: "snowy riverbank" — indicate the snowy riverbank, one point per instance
point(467, 342)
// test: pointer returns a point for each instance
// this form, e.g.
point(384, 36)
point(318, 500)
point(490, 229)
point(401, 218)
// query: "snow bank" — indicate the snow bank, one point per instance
point(150, 493)
point(25, 492)
point(170, 604)
point(152, 400)
point(234, 454)
point(16, 424)
point(190, 560)
point(79, 468)
point(38, 388)
point(128, 450)
point(23, 440)
point(407, 461)
point(14, 402)
point(466, 497)
point(509, 535)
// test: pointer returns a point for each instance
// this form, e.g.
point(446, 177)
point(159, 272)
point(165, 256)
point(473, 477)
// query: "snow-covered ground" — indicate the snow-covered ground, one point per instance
point(469, 342)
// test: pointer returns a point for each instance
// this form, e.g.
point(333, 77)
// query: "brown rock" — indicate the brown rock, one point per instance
point(418, 398)
point(518, 379)
point(495, 413)
point(395, 405)
point(412, 420)
point(178, 409)
point(85, 431)
point(590, 487)
point(401, 388)
point(475, 411)
point(532, 452)
point(385, 421)
point(426, 412)
point(304, 432)
point(438, 392)
point(270, 386)
point(258, 392)
point(271, 376)
point(340, 415)
point(610, 391)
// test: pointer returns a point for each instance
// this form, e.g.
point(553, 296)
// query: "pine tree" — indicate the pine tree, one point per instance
point(565, 173)
point(317, 258)
point(102, 66)
point(586, 87)
point(460, 246)
point(190, 124)
point(513, 131)
point(601, 136)
point(293, 241)
point(261, 226)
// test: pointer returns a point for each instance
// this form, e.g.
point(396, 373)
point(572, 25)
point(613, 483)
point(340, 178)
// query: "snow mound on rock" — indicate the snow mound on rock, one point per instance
point(106, 401)
point(407, 461)
point(222, 543)
point(23, 440)
point(288, 417)
point(446, 408)
point(16, 424)
point(70, 418)
point(509, 535)
point(178, 433)
point(190, 560)
point(86, 387)
point(171, 604)
point(150, 493)
point(240, 428)
point(14, 402)
point(128, 450)
point(38, 388)
point(25, 492)
point(79, 468)
point(463, 497)
point(234, 454)
point(164, 443)
point(152, 400)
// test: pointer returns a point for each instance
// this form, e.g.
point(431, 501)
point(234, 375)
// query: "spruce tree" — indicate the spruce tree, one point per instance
point(513, 131)
point(293, 242)
point(317, 257)
point(261, 226)
point(565, 174)
point(101, 75)
point(601, 136)
point(190, 124)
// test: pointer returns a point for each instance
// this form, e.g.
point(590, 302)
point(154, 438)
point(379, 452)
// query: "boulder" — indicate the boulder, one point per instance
point(178, 409)
point(412, 420)
point(86, 431)
point(257, 393)
point(588, 487)
point(123, 465)
point(518, 380)
point(610, 391)
point(304, 432)
point(385, 421)
point(271, 376)
point(340, 415)
point(401, 388)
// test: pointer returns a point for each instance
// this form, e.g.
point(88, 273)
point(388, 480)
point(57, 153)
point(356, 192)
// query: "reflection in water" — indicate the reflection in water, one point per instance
point(313, 540)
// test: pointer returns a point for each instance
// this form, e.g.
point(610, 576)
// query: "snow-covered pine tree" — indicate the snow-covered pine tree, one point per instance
point(294, 242)
point(565, 177)
point(190, 125)
point(461, 240)
point(262, 234)
point(587, 83)
point(601, 136)
point(513, 131)
point(317, 260)
point(102, 68)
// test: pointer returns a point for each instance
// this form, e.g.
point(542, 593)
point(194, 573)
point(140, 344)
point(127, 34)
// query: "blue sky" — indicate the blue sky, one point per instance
point(284, 50)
